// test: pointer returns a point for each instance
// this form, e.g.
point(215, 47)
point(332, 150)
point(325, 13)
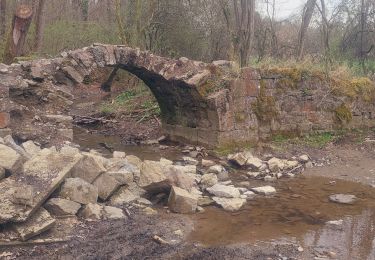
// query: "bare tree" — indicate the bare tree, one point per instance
point(308, 12)
point(241, 28)
point(3, 6)
point(39, 25)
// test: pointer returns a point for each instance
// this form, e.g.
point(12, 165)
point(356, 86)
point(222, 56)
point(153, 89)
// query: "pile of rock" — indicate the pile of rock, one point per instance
point(271, 168)
point(37, 185)
point(66, 182)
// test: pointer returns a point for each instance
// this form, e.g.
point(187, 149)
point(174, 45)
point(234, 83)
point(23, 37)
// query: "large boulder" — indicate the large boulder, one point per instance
point(107, 185)
point(238, 159)
point(223, 191)
point(10, 159)
point(178, 178)
point(62, 207)
point(208, 180)
point(253, 162)
point(126, 195)
point(38, 223)
point(132, 159)
point(31, 148)
point(112, 213)
point(182, 201)
point(92, 211)
point(276, 164)
point(152, 177)
point(44, 173)
point(230, 204)
point(9, 141)
point(88, 169)
point(23, 195)
point(79, 191)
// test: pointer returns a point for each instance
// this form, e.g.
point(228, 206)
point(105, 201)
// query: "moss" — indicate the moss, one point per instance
point(233, 147)
point(215, 82)
point(240, 117)
point(265, 106)
point(362, 88)
point(343, 114)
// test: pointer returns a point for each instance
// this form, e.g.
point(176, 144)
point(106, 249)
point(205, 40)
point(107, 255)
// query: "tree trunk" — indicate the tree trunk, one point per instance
point(39, 26)
point(17, 37)
point(306, 19)
point(244, 15)
point(3, 6)
point(120, 23)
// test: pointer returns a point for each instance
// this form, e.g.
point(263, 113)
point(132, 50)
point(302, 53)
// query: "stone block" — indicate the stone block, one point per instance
point(80, 191)
point(182, 201)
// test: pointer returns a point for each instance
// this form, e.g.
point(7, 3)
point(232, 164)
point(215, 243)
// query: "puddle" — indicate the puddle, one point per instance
point(299, 211)
point(92, 140)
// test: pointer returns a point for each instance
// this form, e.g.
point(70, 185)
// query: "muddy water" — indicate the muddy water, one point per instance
point(299, 211)
point(91, 140)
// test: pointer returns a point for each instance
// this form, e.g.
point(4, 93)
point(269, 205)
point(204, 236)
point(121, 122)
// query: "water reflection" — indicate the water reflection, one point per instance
point(299, 212)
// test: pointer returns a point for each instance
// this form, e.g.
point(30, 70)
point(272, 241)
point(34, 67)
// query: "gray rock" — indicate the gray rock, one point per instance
point(223, 176)
point(152, 177)
point(123, 176)
point(79, 191)
point(253, 174)
point(123, 196)
point(207, 163)
point(343, 198)
point(304, 158)
point(10, 159)
point(223, 191)
point(88, 169)
point(205, 201)
point(249, 194)
point(266, 190)
point(238, 159)
point(38, 223)
point(12, 144)
point(134, 160)
point(48, 168)
point(253, 162)
point(23, 195)
point(62, 207)
point(181, 201)
point(119, 155)
point(209, 180)
point(176, 177)
point(217, 169)
point(31, 148)
point(189, 161)
point(73, 74)
point(309, 165)
point(276, 164)
point(230, 204)
point(165, 162)
point(107, 185)
point(92, 211)
point(112, 213)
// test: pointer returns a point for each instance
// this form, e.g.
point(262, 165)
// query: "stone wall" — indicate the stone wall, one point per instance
point(210, 104)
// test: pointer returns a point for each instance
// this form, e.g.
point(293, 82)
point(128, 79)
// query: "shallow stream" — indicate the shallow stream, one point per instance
point(299, 211)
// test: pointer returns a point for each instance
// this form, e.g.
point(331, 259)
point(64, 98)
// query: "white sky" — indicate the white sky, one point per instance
point(287, 8)
point(284, 8)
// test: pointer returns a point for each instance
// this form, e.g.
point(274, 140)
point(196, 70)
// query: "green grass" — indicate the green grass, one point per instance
point(315, 140)
point(138, 103)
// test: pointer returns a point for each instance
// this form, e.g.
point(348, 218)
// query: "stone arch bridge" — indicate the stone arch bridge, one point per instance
point(211, 104)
